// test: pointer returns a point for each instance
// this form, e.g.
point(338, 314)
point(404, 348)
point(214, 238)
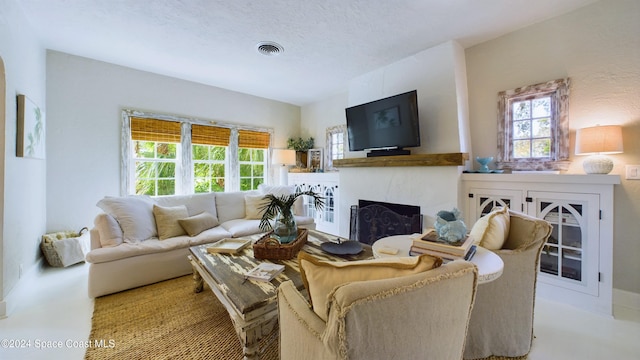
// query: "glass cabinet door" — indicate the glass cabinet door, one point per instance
point(570, 255)
point(562, 254)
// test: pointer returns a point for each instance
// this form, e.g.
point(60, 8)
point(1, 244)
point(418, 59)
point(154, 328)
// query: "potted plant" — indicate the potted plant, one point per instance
point(285, 229)
point(301, 146)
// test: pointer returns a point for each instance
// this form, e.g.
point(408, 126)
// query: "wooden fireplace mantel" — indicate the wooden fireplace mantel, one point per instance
point(449, 159)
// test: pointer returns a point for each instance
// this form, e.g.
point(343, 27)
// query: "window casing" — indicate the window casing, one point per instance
point(190, 154)
point(336, 141)
point(533, 127)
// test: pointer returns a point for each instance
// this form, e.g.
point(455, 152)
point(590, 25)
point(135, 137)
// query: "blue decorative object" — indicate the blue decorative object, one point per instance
point(449, 225)
point(483, 161)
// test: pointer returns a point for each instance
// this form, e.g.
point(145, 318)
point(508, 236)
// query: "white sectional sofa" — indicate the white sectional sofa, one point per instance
point(139, 240)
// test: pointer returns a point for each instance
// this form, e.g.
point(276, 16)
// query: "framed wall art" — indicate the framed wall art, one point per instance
point(31, 129)
point(315, 160)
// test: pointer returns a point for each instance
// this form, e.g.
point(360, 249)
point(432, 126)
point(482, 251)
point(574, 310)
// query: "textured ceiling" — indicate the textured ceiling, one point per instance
point(326, 43)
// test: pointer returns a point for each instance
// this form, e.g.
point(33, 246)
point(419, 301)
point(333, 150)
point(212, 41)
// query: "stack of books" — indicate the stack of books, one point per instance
point(430, 243)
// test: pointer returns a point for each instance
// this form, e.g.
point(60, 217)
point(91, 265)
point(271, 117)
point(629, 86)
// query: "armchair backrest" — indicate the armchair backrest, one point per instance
point(411, 317)
point(502, 319)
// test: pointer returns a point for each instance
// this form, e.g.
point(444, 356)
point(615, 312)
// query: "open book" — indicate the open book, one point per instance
point(264, 271)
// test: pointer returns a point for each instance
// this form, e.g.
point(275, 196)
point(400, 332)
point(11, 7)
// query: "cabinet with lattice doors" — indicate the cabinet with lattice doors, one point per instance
point(325, 184)
point(576, 261)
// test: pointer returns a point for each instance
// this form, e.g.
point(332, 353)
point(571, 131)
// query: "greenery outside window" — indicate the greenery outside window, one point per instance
point(336, 136)
point(252, 165)
point(533, 127)
point(156, 164)
point(209, 168)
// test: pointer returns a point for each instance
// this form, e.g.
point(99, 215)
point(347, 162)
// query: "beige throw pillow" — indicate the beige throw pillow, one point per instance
point(321, 277)
point(167, 220)
point(492, 230)
point(254, 206)
point(196, 224)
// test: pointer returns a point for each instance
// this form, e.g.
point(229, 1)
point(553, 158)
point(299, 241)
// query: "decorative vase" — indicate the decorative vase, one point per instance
point(483, 161)
point(285, 229)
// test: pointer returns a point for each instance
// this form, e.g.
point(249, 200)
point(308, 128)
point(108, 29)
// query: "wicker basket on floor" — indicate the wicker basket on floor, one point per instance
point(49, 251)
point(270, 249)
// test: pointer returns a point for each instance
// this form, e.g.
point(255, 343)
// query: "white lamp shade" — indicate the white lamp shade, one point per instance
point(599, 140)
point(284, 157)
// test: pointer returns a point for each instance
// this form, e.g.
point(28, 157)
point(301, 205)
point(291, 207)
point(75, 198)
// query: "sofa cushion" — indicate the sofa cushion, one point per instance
point(167, 220)
point(134, 214)
point(209, 236)
point(492, 230)
point(128, 250)
point(321, 277)
point(230, 205)
point(254, 206)
point(109, 231)
point(242, 227)
point(195, 203)
point(196, 224)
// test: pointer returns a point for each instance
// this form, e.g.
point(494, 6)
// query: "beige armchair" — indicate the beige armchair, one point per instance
point(501, 324)
point(418, 316)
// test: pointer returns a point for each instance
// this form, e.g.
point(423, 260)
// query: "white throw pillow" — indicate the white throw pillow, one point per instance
point(492, 230)
point(230, 205)
point(167, 220)
point(254, 206)
point(109, 230)
point(134, 214)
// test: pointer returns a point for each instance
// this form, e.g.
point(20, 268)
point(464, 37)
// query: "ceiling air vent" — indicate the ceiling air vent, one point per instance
point(270, 48)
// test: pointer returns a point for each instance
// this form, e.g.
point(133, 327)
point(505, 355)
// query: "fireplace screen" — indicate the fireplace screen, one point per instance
point(371, 220)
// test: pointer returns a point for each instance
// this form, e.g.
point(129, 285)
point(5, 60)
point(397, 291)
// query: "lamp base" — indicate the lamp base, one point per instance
point(284, 175)
point(597, 164)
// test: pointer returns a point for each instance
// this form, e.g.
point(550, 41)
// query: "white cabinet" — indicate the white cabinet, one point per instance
point(576, 262)
point(325, 184)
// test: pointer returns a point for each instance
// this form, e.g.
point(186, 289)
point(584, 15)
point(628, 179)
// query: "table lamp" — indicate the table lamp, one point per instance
point(597, 141)
point(284, 158)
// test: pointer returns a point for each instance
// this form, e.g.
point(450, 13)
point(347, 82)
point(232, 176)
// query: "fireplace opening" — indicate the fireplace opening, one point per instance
point(372, 220)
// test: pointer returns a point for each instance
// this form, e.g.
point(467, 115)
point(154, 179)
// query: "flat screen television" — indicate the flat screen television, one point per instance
point(385, 126)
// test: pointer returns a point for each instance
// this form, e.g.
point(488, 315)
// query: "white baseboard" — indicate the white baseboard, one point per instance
point(9, 303)
point(626, 305)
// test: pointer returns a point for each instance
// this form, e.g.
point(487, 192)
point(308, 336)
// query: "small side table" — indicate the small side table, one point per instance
point(489, 264)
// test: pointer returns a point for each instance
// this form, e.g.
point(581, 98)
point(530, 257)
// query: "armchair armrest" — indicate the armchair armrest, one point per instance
point(300, 328)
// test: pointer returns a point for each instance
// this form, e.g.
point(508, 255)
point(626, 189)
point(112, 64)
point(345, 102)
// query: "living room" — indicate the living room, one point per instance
point(596, 46)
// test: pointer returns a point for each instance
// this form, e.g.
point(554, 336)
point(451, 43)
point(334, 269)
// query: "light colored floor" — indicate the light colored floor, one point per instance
point(55, 317)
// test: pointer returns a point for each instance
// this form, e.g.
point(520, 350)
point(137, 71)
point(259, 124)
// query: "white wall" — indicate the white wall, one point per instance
point(85, 100)
point(23, 182)
point(598, 47)
point(438, 74)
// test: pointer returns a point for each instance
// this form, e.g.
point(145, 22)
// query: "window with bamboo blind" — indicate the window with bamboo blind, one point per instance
point(173, 155)
point(155, 154)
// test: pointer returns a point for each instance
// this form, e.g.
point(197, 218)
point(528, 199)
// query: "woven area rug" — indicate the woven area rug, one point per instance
point(166, 320)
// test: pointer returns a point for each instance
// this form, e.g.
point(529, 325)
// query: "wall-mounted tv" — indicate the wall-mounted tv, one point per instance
point(385, 126)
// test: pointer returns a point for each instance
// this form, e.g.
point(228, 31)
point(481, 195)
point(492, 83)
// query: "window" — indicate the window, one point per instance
point(209, 155)
point(533, 127)
point(155, 154)
point(170, 155)
point(335, 144)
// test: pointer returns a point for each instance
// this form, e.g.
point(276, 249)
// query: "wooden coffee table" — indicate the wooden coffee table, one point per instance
point(252, 305)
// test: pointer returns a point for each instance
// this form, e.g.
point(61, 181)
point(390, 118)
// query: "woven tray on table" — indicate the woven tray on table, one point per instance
point(270, 249)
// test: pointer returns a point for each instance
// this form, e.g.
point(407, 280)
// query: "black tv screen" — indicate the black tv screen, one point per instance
point(389, 123)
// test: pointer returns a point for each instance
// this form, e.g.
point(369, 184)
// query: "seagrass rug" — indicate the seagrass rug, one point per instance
point(166, 320)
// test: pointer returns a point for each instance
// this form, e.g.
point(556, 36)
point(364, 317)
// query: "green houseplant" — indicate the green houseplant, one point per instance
point(301, 146)
point(285, 229)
